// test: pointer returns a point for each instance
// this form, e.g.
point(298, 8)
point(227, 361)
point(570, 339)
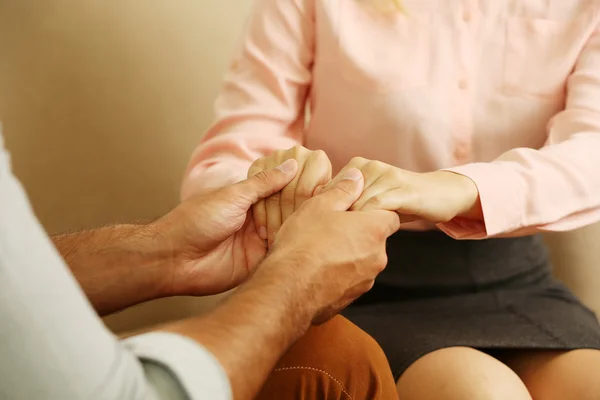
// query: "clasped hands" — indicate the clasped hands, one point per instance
point(435, 196)
point(291, 209)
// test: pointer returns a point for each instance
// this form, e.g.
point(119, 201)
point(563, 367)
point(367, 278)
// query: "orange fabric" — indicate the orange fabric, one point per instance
point(336, 360)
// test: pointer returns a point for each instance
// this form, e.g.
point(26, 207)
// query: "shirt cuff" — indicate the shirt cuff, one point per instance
point(502, 201)
point(197, 370)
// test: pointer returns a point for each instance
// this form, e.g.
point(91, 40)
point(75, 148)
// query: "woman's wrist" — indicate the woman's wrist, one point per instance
point(468, 204)
point(472, 209)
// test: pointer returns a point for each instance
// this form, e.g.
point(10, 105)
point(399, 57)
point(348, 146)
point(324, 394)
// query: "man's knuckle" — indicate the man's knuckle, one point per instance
point(377, 262)
point(381, 261)
point(366, 286)
point(382, 235)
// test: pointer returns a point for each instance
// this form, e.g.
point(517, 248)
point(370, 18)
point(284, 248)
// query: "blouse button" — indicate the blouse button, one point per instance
point(461, 152)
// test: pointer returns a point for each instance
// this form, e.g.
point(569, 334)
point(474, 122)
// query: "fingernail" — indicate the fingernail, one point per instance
point(262, 233)
point(352, 175)
point(288, 166)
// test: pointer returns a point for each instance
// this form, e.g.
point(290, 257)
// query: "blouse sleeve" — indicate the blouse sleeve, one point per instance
point(261, 106)
point(556, 188)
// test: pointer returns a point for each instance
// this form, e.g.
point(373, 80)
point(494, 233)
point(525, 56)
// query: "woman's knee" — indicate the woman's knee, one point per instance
point(559, 375)
point(336, 360)
point(460, 373)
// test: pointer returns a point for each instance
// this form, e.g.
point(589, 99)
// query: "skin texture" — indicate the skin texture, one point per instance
point(435, 196)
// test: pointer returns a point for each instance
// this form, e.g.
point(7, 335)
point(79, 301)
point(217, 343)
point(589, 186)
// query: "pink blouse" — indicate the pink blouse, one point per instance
point(506, 92)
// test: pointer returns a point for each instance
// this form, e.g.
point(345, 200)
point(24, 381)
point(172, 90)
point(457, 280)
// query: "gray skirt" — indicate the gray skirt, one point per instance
point(495, 294)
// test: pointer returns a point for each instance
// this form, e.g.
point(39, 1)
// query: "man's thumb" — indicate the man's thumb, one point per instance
point(343, 193)
point(267, 182)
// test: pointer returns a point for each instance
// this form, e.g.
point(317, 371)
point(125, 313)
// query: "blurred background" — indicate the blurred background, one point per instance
point(102, 103)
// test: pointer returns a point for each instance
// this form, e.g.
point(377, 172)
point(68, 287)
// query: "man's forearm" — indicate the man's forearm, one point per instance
point(254, 327)
point(117, 266)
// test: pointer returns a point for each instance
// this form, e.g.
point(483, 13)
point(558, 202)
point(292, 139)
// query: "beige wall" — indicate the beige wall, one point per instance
point(102, 102)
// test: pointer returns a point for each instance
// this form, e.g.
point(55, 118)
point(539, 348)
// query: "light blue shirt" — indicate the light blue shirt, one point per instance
point(53, 346)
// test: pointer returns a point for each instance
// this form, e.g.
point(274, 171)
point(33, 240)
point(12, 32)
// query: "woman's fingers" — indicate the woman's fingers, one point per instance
point(273, 216)
point(259, 212)
point(379, 178)
point(316, 173)
point(272, 203)
point(436, 197)
point(288, 194)
point(378, 186)
point(375, 172)
point(357, 162)
point(314, 169)
point(403, 200)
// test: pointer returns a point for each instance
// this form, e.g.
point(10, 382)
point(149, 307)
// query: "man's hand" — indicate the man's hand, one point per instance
point(323, 258)
point(314, 170)
point(332, 254)
point(212, 236)
point(207, 245)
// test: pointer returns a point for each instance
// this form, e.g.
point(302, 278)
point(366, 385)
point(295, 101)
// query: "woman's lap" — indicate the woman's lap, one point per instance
point(465, 373)
point(497, 296)
point(438, 293)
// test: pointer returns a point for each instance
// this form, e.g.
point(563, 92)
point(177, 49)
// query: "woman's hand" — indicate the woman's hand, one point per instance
point(435, 196)
point(314, 170)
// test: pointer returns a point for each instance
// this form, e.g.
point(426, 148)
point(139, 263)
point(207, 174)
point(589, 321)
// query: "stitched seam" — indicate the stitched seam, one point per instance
point(317, 370)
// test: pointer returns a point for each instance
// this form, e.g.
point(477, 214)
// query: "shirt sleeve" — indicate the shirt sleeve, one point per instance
point(556, 188)
point(261, 107)
point(186, 367)
point(52, 343)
